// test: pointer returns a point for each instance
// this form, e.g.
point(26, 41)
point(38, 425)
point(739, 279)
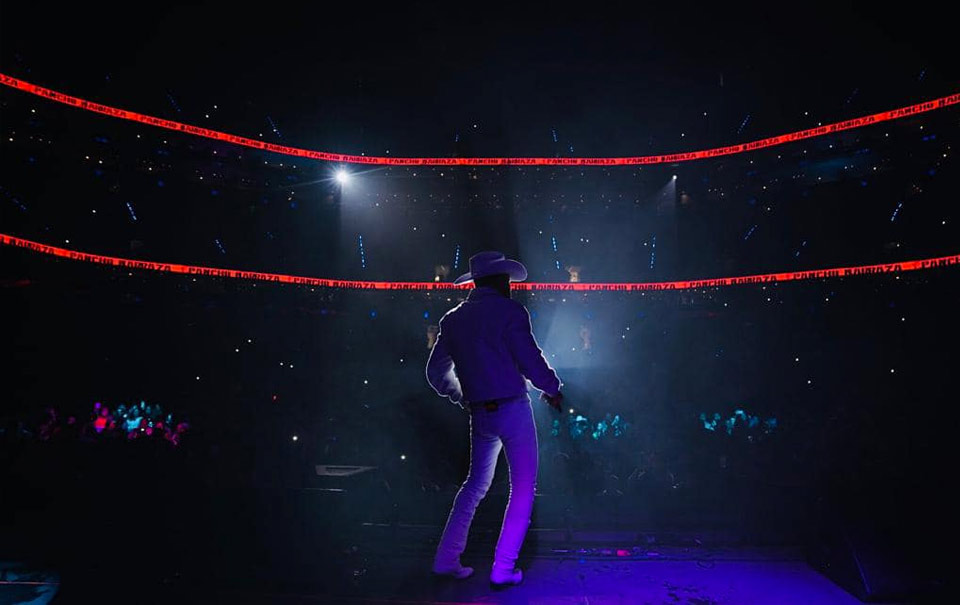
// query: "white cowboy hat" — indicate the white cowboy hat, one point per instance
point(483, 264)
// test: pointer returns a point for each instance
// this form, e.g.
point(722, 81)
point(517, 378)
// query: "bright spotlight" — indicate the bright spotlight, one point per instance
point(674, 177)
point(342, 176)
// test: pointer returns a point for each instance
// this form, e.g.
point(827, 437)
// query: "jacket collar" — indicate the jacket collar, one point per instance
point(482, 292)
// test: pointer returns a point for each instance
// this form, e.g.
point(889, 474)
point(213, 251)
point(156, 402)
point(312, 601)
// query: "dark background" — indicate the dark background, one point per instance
point(858, 372)
point(612, 79)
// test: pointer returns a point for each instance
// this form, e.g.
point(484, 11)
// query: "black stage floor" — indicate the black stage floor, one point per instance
point(683, 576)
point(316, 546)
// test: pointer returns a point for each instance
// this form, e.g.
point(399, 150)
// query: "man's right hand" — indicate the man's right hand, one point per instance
point(555, 402)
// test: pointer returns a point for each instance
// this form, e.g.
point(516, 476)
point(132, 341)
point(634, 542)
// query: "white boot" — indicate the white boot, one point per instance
point(453, 570)
point(503, 577)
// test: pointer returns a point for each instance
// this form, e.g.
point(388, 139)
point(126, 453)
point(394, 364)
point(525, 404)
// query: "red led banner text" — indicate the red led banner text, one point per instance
point(126, 263)
point(326, 156)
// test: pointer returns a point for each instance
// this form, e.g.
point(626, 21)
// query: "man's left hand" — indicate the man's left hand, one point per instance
point(556, 402)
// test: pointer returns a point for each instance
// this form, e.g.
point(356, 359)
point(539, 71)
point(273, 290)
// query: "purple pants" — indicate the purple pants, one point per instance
point(510, 426)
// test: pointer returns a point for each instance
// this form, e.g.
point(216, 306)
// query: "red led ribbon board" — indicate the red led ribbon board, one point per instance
point(126, 263)
point(326, 156)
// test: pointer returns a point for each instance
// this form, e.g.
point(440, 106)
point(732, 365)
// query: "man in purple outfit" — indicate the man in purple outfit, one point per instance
point(483, 355)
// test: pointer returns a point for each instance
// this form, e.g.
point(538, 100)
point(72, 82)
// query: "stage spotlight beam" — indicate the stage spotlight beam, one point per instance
point(342, 177)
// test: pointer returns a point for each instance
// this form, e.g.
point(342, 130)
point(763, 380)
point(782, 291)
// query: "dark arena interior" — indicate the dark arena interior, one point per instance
point(215, 343)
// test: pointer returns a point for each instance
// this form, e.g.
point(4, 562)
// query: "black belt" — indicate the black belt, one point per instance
point(490, 405)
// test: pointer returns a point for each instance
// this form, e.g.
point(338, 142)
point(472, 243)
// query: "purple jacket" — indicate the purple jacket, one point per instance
point(485, 349)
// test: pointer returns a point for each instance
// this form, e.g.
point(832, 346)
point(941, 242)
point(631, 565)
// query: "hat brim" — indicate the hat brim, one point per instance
point(514, 269)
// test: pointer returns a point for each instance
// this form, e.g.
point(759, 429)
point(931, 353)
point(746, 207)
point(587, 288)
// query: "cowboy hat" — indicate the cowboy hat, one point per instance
point(483, 264)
